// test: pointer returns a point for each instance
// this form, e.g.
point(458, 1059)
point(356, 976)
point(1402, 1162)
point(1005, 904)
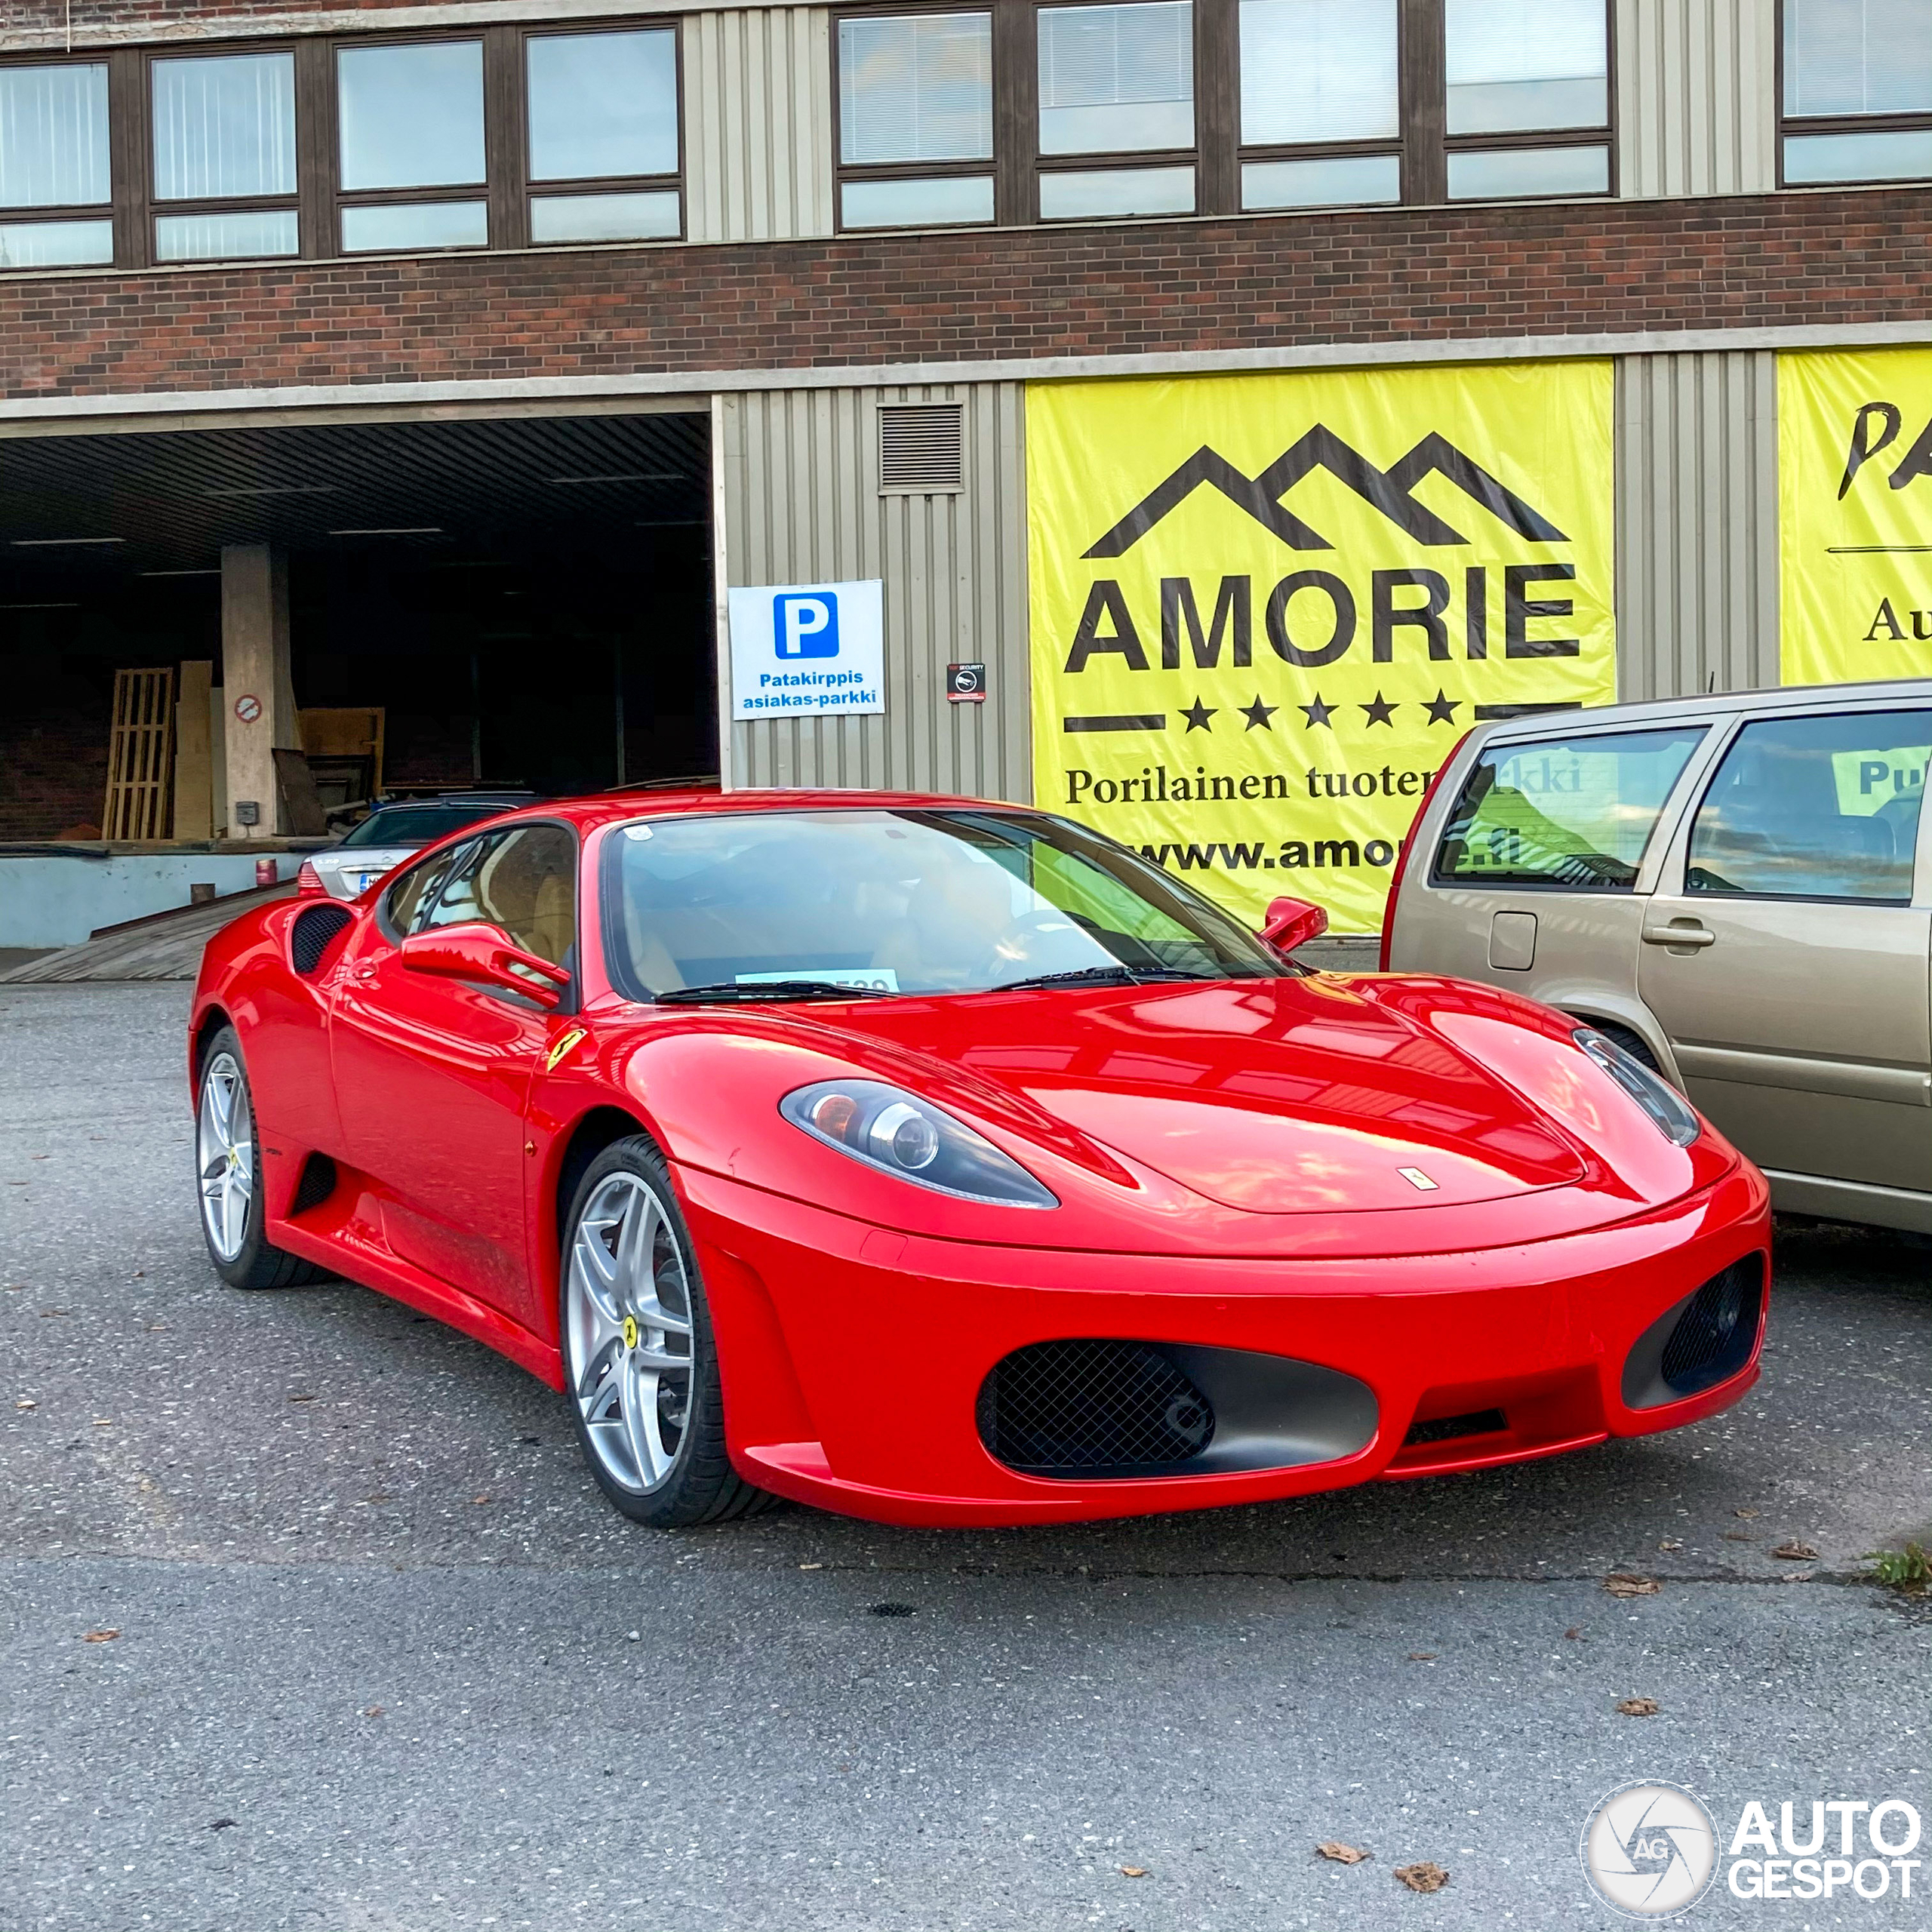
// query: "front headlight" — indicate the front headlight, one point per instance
point(892, 1130)
point(1671, 1113)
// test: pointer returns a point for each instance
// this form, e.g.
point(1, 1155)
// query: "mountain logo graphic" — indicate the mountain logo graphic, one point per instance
point(1390, 491)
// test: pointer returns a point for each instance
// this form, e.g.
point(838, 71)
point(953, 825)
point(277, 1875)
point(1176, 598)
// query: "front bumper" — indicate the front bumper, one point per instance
point(853, 1356)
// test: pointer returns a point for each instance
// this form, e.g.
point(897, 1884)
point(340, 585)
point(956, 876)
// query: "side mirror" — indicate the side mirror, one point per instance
point(1292, 922)
point(475, 951)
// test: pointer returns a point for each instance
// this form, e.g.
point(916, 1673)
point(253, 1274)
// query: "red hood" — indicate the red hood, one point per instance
point(1277, 1096)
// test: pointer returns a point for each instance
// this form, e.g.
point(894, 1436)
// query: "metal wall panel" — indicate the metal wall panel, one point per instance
point(1697, 93)
point(1696, 523)
point(758, 123)
point(801, 505)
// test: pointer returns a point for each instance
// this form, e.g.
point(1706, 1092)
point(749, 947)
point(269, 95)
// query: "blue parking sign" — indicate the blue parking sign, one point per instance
point(807, 650)
point(805, 624)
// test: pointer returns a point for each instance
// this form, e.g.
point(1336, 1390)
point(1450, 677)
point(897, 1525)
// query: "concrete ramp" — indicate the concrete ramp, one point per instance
point(167, 945)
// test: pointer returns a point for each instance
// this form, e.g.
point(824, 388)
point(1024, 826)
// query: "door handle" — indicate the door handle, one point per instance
point(1692, 935)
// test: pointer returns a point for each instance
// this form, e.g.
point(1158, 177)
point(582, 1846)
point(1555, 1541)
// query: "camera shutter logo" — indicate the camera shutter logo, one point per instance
point(1650, 1850)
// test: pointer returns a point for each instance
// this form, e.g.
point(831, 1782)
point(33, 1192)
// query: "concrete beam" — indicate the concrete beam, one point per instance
point(258, 688)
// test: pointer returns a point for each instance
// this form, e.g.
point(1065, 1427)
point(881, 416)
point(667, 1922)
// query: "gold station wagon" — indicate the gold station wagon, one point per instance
point(1737, 889)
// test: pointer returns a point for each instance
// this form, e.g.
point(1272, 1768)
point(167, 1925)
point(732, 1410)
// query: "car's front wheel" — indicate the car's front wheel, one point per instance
point(640, 1365)
point(227, 1172)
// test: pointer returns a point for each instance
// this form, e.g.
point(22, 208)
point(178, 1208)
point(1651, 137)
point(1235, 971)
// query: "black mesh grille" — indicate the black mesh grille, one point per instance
point(308, 938)
point(317, 1184)
point(1447, 1429)
point(1092, 1408)
point(1715, 1335)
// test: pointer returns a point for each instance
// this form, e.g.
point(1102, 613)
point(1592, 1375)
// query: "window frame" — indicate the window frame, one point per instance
point(507, 190)
point(1421, 143)
point(110, 210)
point(1917, 121)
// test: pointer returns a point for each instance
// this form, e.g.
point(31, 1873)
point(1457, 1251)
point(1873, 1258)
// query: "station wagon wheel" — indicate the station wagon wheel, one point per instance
point(640, 1368)
point(228, 1175)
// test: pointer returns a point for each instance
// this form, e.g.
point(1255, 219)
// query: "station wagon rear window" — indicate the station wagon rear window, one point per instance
point(1576, 812)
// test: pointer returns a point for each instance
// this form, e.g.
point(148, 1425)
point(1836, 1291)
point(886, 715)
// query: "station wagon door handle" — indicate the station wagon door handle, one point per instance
point(1689, 934)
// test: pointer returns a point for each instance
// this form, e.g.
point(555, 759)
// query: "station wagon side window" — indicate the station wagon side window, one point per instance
point(1576, 812)
point(1815, 808)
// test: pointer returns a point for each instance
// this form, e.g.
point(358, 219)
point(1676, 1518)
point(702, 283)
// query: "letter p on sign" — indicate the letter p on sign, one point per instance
point(806, 627)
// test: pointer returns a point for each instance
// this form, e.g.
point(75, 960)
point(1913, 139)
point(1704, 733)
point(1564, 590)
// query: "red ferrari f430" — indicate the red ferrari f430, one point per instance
point(943, 1162)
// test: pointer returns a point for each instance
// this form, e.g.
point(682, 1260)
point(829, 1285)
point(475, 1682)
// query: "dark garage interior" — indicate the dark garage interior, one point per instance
point(527, 599)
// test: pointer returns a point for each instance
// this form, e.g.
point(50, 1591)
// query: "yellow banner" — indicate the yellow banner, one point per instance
point(1266, 607)
point(1855, 521)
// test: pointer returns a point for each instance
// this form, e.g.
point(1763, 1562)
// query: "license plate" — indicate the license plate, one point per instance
point(358, 883)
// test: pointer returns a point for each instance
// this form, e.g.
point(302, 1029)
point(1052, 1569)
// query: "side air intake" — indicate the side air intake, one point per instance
point(1697, 1342)
point(315, 929)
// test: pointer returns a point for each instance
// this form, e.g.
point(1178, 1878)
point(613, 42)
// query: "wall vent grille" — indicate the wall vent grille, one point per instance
point(922, 449)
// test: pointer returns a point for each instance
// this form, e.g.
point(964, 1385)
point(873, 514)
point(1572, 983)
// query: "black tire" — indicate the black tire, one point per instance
point(254, 1263)
point(700, 1484)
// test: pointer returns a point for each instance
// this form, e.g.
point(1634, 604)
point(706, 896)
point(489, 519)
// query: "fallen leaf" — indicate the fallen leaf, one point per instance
point(479, 1499)
point(98, 1636)
point(1422, 1657)
point(1795, 1551)
point(1426, 1877)
point(1134, 1871)
point(1738, 1536)
point(25, 1402)
point(1343, 1854)
point(1670, 1543)
point(1625, 1583)
point(1637, 1707)
point(1747, 1512)
point(1574, 1633)
point(373, 1711)
point(220, 1824)
point(301, 1399)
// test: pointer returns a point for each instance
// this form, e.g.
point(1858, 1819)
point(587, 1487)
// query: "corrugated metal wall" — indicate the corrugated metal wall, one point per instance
point(1697, 100)
point(801, 502)
point(757, 123)
point(1696, 523)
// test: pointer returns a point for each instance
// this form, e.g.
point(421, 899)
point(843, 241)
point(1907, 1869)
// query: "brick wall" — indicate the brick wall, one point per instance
point(1367, 276)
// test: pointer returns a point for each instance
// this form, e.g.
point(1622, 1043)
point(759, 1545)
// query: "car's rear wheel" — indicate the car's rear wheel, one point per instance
point(228, 1171)
point(640, 1364)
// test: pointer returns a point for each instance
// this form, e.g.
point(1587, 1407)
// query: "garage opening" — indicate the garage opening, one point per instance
point(416, 605)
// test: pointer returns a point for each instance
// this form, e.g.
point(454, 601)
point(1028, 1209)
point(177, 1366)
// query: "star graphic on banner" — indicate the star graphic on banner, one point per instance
point(1258, 713)
point(1441, 710)
point(1380, 711)
point(1197, 715)
point(1318, 713)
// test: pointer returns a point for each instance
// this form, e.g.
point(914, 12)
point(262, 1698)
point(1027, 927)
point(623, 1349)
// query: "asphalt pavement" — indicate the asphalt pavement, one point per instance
point(382, 1658)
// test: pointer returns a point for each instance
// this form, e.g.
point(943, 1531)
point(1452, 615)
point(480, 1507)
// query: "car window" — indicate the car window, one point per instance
point(523, 882)
point(1815, 808)
point(1576, 811)
point(412, 896)
point(419, 825)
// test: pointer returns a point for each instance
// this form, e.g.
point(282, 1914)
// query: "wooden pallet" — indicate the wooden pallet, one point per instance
point(140, 757)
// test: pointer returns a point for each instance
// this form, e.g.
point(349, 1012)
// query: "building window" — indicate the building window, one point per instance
point(1083, 110)
point(915, 120)
point(1522, 79)
point(55, 160)
point(408, 118)
point(1320, 87)
point(1857, 91)
point(603, 110)
point(224, 133)
point(1116, 81)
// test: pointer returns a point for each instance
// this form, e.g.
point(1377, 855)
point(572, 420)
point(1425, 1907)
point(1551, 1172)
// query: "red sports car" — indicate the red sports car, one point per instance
point(939, 1161)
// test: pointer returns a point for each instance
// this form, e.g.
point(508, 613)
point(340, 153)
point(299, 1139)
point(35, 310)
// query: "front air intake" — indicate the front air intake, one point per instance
point(1697, 1342)
point(1092, 1408)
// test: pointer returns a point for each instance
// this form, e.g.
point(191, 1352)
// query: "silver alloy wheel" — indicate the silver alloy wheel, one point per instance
point(628, 1333)
point(225, 1154)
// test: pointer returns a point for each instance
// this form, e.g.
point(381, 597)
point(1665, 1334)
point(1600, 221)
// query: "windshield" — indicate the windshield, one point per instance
point(900, 901)
point(419, 825)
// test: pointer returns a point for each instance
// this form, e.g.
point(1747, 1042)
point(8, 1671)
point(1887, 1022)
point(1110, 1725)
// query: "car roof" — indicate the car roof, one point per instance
point(1710, 704)
point(615, 807)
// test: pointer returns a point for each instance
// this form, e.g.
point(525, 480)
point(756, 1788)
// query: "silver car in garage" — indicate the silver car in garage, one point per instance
point(1737, 889)
point(395, 828)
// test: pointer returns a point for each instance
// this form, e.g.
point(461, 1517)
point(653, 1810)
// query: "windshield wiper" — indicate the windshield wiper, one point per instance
point(726, 990)
point(1098, 976)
